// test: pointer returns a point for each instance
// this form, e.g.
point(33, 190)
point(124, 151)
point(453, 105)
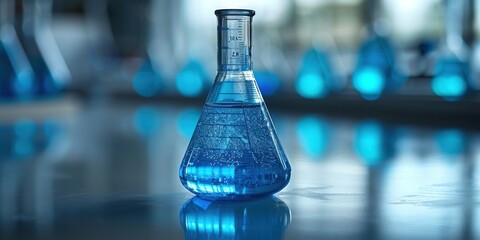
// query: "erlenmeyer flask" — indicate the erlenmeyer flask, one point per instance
point(234, 152)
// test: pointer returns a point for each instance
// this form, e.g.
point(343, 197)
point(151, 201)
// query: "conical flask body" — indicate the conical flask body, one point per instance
point(234, 152)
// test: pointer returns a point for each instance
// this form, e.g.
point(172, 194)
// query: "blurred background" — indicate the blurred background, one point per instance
point(376, 103)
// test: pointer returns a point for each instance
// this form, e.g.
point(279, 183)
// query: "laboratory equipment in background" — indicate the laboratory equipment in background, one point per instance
point(271, 67)
point(317, 75)
point(452, 78)
point(193, 56)
point(261, 219)
point(234, 152)
point(51, 71)
point(315, 78)
point(16, 73)
point(376, 69)
point(158, 66)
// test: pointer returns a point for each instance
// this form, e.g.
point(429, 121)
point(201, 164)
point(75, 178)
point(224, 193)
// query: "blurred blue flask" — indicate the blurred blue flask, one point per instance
point(375, 71)
point(51, 72)
point(451, 78)
point(234, 152)
point(16, 74)
point(452, 73)
point(315, 79)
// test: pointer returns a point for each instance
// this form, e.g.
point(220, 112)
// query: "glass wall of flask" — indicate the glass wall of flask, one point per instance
point(234, 153)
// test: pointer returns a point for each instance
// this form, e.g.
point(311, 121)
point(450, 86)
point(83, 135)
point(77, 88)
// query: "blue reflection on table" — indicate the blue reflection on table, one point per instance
point(373, 143)
point(313, 133)
point(260, 219)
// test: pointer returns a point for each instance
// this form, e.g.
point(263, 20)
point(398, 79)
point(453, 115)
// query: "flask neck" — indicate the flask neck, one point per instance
point(234, 43)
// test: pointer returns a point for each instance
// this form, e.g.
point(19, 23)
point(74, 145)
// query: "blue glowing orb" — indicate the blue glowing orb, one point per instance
point(449, 86)
point(370, 82)
point(191, 80)
point(311, 85)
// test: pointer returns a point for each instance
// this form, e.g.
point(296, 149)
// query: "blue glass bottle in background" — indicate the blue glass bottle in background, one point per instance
point(315, 78)
point(261, 219)
point(451, 79)
point(234, 153)
point(375, 71)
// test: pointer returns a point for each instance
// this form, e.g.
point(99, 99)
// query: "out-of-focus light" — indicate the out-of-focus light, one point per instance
point(375, 72)
point(311, 86)
point(187, 121)
point(312, 133)
point(267, 82)
point(450, 141)
point(147, 82)
point(259, 219)
point(451, 78)
point(449, 86)
point(191, 80)
point(370, 82)
point(369, 143)
point(146, 121)
point(315, 78)
point(24, 138)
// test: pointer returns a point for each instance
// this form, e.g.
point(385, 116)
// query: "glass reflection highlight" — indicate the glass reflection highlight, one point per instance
point(372, 143)
point(261, 219)
point(450, 141)
point(312, 133)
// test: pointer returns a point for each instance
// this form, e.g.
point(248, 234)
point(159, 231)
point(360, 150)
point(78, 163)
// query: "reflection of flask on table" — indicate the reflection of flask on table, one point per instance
point(261, 219)
point(16, 74)
point(234, 152)
point(51, 71)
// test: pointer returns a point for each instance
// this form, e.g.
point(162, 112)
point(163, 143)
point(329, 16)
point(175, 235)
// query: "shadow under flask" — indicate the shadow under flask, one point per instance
point(234, 153)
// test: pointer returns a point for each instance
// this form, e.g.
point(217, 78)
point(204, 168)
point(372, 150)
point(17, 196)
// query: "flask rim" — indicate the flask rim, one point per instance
point(234, 12)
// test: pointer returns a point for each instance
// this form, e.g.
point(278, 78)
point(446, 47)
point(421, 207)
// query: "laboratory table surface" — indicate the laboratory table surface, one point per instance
point(107, 169)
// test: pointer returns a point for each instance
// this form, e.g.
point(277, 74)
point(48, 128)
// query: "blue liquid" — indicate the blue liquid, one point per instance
point(234, 154)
